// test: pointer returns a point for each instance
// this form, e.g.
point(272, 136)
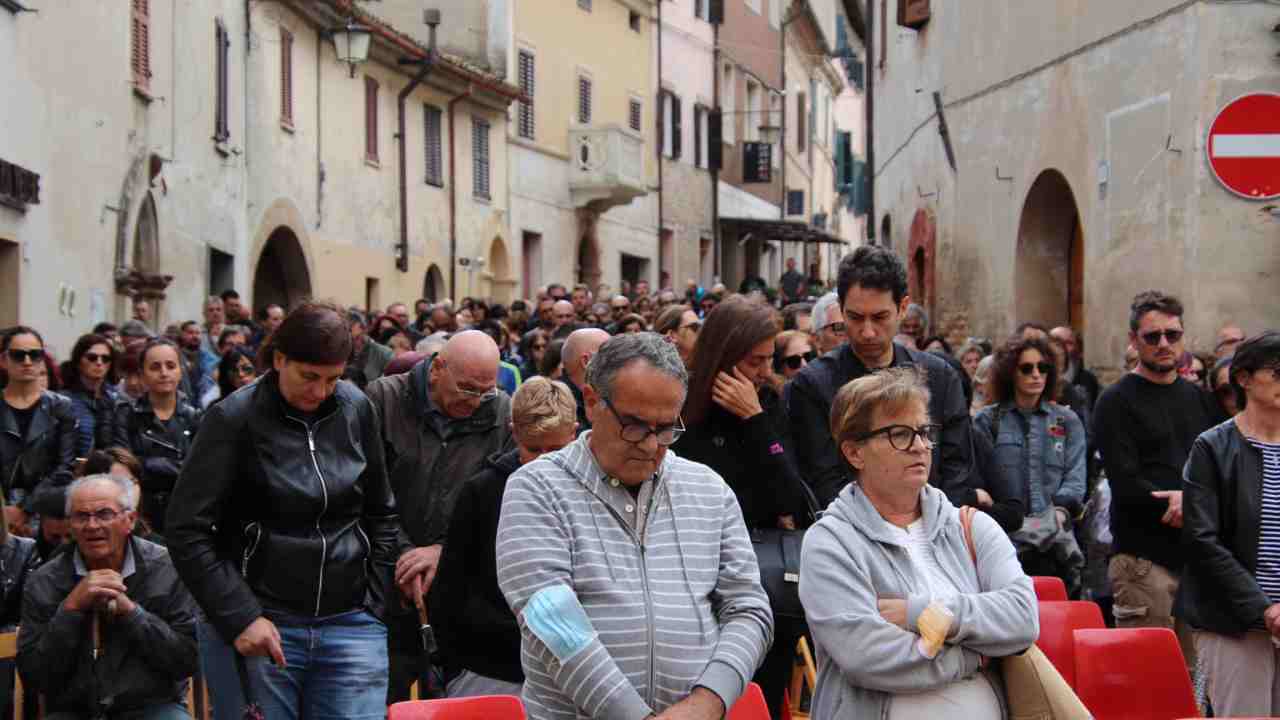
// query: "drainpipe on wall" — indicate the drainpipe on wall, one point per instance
point(432, 18)
point(871, 125)
point(715, 167)
point(319, 132)
point(453, 196)
point(660, 134)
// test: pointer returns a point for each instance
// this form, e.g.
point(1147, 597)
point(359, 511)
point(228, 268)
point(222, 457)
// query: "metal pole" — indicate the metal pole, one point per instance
point(715, 170)
point(870, 178)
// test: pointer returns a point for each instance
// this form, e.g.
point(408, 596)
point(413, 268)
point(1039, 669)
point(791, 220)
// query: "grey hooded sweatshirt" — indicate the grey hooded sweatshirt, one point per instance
point(852, 557)
point(625, 606)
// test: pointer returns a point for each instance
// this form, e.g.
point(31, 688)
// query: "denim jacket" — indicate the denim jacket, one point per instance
point(1044, 448)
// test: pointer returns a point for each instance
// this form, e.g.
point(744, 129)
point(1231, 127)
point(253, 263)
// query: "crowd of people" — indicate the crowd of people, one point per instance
point(624, 505)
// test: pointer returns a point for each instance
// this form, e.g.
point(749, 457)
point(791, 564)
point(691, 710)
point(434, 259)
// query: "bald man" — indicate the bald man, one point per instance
point(562, 313)
point(577, 352)
point(440, 422)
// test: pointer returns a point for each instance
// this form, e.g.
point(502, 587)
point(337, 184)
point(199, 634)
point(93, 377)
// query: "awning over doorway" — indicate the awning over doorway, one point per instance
point(778, 230)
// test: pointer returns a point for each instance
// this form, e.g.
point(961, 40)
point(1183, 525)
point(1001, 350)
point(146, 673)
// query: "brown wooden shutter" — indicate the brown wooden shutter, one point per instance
point(140, 45)
point(286, 76)
point(370, 119)
point(221, 125)
point(802, 113)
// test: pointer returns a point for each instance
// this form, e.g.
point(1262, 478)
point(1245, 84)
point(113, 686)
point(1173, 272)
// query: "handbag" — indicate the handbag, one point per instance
point(778, 556)
point(1033, 687)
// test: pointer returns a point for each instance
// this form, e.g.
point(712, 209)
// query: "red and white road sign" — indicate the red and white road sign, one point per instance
point(1244, 146)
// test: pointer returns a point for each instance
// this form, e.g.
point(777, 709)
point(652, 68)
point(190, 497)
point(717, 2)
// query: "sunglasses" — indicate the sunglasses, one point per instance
point(795, 361)
point(696, 327)
point(1153, 338)
point(1028, 368)
point(245, 369)
point(18, 356)
point(539, 346)
point(98, 358)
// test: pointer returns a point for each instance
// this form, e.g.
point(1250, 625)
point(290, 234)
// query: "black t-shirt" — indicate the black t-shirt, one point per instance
point(1144, 431)
point(791, 281)
point(24, 417)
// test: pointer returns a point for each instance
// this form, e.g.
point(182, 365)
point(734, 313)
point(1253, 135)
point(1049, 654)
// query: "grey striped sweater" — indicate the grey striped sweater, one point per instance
point(670, 591)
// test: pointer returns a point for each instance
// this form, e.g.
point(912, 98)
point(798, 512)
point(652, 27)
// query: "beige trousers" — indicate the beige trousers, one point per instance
point(1144, 593)
point(1241, 673)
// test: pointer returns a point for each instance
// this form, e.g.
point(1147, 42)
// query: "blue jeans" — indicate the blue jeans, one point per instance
point(337, 669)
point(218, 666)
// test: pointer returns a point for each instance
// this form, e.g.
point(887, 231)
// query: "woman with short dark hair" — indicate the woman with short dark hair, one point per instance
point(1231, 532)
point(284, 527)
point(1040, 444)
point(235, 370)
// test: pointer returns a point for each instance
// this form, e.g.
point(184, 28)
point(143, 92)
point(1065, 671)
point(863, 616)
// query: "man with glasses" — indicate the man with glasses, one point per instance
point(872, 289)
point(1145, 425)
point(630, 570)
point(114, 601)
point(828, 324)
point(619, 306)
point(440, 421)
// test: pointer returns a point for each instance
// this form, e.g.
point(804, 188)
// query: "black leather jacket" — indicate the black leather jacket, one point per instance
point(42, 461)
point(160, 447)
point(1221, 516)
point(278, 511)
point(18, 557)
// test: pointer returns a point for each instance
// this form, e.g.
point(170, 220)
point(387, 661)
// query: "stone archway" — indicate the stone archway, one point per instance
point(501, 283)
point(1049, 264)
point(922, 251)
point(281, 274)
point(433, 286)
point(142, 279)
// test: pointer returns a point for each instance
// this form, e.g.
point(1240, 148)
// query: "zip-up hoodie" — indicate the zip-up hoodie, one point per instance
point(623, 611)
point(852, 557)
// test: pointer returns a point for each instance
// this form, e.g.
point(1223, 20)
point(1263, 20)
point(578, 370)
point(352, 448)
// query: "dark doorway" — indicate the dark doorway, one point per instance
point(886, 232)
point(433, 284)
point(222, 271)
point(1049, 270)
point(10, 271)
point(588, 262)
point(281, 276)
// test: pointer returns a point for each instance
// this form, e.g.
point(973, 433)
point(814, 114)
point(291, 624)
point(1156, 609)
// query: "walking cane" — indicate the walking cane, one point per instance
point(428, 636)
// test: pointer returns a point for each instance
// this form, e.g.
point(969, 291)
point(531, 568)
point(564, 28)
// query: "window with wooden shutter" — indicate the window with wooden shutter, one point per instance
point(676, 127)
point(802, 114)
point(584, 100)
point(370, 119)
point(140, 44)
point(222, 43)
point(525, 123)
point(633, 115)
point(286, 77)
point(699, 135)
point(480, 158)
point(431, 126)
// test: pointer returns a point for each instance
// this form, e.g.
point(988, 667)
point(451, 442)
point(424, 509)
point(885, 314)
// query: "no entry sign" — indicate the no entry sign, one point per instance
point(1244, 146)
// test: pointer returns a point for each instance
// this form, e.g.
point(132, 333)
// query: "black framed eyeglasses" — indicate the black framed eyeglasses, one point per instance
point(637, 432)
point(901, 437)
point(1028, 368)
point(795, 361)
point(18, 356)
point(835, 327)
point(1153, 338)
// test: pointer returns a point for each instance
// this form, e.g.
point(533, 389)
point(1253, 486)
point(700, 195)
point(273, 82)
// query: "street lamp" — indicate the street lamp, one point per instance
point(351, 43)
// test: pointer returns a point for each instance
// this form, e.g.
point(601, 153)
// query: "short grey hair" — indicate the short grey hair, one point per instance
point(821, 308)
point(914, 309)
point(123, 484)
point(622, 350)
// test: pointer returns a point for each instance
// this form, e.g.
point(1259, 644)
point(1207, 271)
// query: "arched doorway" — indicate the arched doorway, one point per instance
point(886, 228)
point(921, 251)
point(501, 283)
point(433, 284)
point(281, 276)
point(146, 238)
point(1049, 270)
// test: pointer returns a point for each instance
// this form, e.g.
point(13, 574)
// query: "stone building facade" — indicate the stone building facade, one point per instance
point(1080, 174)
point(187, 148)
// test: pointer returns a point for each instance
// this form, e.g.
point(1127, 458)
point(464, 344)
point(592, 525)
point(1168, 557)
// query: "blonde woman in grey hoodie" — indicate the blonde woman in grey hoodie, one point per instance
point(889, 560)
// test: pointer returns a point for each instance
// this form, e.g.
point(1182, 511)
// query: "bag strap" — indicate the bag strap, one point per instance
point(966, 526)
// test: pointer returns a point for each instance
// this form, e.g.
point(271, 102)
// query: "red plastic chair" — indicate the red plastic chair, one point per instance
point(1058, 623)
point(1133, 674)
point(751, 706)
point(486, 707)
point(1049, 588)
